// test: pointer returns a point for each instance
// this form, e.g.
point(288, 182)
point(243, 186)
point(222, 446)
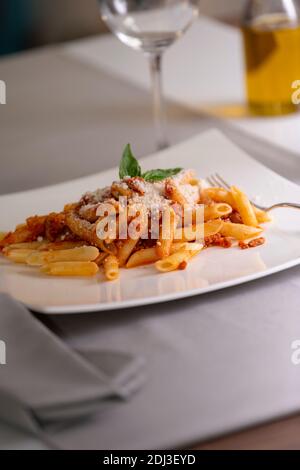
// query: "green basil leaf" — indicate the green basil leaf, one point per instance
point(129, 165)
point(159, 175)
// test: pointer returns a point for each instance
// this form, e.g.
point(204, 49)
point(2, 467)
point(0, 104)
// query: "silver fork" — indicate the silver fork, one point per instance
point(215, 180)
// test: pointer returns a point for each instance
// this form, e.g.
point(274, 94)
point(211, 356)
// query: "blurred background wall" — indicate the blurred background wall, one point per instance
point(32, 23)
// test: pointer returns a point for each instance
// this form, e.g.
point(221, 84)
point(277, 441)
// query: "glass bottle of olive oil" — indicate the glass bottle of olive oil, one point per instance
point(272, 48)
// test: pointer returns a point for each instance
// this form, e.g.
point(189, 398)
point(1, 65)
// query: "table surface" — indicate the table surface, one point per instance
point(47, 121)
point(214, 54)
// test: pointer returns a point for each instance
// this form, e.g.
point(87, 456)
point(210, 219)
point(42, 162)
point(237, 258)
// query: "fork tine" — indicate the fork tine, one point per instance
point(222, 181)
point(210, 181)
point(215, 180)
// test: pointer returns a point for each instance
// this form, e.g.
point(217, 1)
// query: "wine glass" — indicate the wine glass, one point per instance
point(150, 26)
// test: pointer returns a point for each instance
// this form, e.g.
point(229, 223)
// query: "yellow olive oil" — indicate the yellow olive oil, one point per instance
point(272, 50)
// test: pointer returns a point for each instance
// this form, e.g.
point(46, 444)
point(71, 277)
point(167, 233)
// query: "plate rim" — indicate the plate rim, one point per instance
point(126, 304)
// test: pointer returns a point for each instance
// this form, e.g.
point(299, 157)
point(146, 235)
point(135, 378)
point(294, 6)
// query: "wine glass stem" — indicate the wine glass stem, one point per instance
point(158, 102)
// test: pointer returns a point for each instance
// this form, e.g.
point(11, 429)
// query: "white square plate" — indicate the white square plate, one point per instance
point(213, 269)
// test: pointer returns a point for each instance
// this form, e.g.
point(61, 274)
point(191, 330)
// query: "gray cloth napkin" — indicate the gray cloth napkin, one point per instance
point(44, 383)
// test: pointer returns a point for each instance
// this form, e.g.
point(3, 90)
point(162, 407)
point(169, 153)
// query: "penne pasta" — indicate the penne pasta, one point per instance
point(111, 268)
point(25, 246)
point(262, 216)
point(85, 253)
point(100, 259)
point(244, 207)
point(166, 236)
point(142, 258)
point(222, 195)
point(150, 256)
point(212, 228)
point(109, 248)
point(173, 192)
point(179, 259)
point(218, 195)
point(125, 250)
point(19, 256)
point(217, 211)
point(189, 234)
point(173, 262)
point(239, 231)
point(70, 268)
point(61, 245)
